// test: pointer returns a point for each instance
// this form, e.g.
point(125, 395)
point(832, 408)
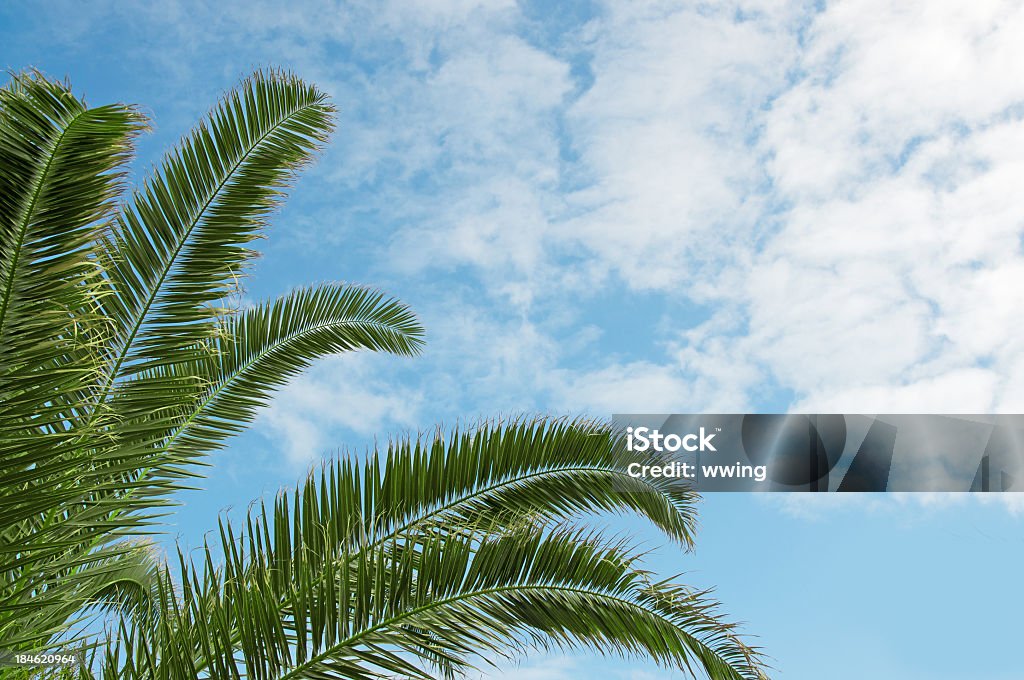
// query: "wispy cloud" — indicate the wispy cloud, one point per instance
point(309, 418)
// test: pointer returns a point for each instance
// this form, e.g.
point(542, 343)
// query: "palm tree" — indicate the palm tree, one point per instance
point(124, 363)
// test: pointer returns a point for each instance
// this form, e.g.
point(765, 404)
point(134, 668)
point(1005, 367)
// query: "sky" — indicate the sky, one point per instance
point(602, 208)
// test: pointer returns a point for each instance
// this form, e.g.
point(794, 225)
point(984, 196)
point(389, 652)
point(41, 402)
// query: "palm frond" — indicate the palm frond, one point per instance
point(343, 580)
point(401, 606)
point(258, 350)
point(182, 241)
point(546, 468)
point(61, 170)
point(121, 579)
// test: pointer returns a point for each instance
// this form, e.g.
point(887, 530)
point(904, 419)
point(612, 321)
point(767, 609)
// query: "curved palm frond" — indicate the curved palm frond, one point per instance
point(129, 584)
point(181, 243)
point(122, 579)
point(341, 580)
point(547, 468)
point(260, 349)
point(61, 170)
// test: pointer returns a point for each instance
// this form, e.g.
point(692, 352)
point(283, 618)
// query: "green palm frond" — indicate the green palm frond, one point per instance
point(300, 595)
point(61, 170)
point(182, 241)
point(82, 461)
point(548, 468)
point(122, 579)
point(260, 349)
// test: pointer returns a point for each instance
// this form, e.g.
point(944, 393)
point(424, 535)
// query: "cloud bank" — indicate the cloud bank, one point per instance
point(670, 205)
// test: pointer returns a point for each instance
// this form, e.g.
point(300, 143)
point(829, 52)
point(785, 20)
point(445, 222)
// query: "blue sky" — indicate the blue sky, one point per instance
point(598, 208)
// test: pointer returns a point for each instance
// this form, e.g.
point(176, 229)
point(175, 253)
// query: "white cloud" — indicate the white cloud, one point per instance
point(635, 387)
point(893, 277)
point(820, 507)
point(343, 393)
point(956, 391)
point(663, 134)
point(1013, 502)
point(838, 187)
